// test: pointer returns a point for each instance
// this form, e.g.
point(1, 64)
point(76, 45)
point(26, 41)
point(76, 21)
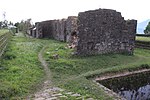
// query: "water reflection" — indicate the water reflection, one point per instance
point(143, 93)
point(135, 87)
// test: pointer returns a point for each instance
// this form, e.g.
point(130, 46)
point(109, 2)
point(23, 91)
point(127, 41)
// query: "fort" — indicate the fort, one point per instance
point(92, 32)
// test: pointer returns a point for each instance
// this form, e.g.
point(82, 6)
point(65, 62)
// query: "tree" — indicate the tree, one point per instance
point(1, 24)
point(4, 23)
point(24, 26)
point(10, 23)
point(17, 24)
point(21, 26)
point(147, 29)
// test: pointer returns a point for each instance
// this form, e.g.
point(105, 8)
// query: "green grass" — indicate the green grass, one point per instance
point(3, 31)
point(140, 38)
point(20, 69)
point(71, 72)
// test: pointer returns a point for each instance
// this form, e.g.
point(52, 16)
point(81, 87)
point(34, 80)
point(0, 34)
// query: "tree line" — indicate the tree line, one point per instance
point(147, 29)
point(24, 25)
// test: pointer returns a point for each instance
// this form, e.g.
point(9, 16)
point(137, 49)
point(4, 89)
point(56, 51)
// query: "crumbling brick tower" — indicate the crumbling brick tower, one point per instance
point(105, 31)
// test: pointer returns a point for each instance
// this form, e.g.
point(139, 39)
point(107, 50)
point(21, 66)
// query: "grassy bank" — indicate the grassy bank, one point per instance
point(20, 69)
point(3, 31)
point(140, 38)
point(71, 72)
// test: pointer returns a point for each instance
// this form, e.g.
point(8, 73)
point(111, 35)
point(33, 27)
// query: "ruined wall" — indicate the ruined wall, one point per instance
point(92, 32)
point(59, 29)
point(44, 29)
point(71, 27)
point(62, 35)
point(47, 29)
point(38, 31)
point(55, 29)
point(105, 31)
point(32, 31)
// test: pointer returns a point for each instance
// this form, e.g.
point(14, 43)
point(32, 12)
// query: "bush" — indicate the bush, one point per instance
point(145, 66)
point(147, 29)
point(9, 56)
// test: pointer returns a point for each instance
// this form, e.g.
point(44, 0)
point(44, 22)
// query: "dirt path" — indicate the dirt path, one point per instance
point(46, 69)
point(49, 91)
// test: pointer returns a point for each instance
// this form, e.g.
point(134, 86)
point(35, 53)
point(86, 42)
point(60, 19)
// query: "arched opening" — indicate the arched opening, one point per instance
point(73, 36)
point(74, 33)
point(73, 39)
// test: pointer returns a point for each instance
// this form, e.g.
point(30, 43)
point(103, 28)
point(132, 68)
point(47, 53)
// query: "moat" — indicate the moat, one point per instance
point(131, 87)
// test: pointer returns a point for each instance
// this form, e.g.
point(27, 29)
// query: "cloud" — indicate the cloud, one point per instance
point(40, 10)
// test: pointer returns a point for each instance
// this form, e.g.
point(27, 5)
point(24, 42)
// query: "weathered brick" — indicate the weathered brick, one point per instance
point(92, 32)
point(105, 31)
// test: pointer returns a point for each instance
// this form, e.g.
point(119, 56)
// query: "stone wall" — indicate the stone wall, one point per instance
point(57, 29)
point(71, 28)
point(38, 30)
point(32, 31)
point(47, 29)
point(105, 31)
point(92, 32)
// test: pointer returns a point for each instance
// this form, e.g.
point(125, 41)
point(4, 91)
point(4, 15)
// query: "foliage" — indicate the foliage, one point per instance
point(4, 23)
point(147, 29)
point(24, 25)
point(1, 24)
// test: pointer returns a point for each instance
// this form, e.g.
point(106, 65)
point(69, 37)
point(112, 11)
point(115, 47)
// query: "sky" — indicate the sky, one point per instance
point(41, 10)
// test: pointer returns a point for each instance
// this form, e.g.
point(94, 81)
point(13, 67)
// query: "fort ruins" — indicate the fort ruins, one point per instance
point(91, 32)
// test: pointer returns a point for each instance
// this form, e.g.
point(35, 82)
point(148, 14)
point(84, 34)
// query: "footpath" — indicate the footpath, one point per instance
point(49, 91)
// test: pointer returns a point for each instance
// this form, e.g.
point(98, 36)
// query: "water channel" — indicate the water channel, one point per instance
point(131, 87)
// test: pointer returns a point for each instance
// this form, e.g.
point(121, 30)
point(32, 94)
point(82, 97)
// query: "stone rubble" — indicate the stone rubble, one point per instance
point(55, 93)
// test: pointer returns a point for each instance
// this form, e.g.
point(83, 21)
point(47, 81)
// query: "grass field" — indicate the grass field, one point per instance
point(20, 70)
point(3, 31)
point(140, 38)
point(70, 71)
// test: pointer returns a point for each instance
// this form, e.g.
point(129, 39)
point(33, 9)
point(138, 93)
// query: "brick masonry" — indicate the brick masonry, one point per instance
point(71, 28)
point(105, 31)
point(93, 32)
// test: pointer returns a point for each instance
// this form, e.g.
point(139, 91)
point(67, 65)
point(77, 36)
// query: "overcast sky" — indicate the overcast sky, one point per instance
point(40, 10)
